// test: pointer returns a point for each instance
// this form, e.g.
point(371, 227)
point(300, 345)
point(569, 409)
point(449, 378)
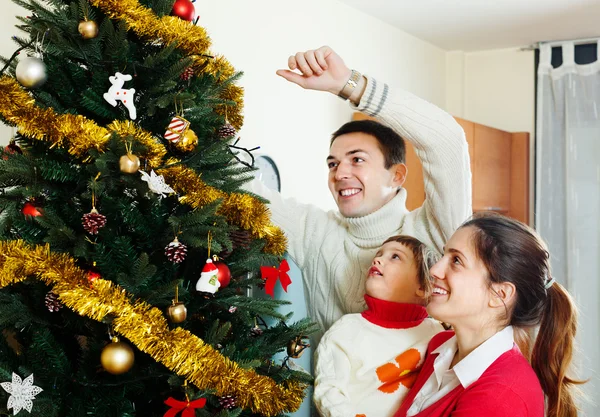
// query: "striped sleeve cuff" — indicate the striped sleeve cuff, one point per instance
point(374, 98)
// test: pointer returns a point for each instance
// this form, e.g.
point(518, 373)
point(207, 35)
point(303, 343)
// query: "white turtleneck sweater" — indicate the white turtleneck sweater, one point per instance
point(334, 252)
point(366, 363)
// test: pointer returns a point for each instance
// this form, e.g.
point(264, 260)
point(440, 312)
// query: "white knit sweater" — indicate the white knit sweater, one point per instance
point(365, 365)
point(334, 252)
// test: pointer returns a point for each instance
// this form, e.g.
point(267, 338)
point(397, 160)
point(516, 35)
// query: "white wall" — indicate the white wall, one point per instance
point(494, 88)
point(8, 20)
point(292, 125)
point(455, 83)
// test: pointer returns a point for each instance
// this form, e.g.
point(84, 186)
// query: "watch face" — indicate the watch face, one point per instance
point(268, 172)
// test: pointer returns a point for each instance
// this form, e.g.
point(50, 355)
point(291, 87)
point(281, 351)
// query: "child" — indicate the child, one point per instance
point(366, 363)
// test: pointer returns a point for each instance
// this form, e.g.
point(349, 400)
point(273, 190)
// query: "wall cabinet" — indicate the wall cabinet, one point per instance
point(499, 165)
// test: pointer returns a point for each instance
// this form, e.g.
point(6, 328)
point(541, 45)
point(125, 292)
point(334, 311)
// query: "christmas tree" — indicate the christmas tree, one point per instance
point(120, 187)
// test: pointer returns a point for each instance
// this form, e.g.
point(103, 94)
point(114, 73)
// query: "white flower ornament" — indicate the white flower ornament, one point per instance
point(21, 393)
point(156, 183)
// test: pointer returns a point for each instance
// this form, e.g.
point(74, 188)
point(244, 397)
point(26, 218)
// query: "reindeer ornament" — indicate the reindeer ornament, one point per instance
point(118, 93)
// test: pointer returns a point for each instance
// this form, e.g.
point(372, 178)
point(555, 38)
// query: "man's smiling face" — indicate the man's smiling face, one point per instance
point(358, 179)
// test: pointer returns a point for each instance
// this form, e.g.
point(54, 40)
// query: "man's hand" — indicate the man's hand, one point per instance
point(320, 69)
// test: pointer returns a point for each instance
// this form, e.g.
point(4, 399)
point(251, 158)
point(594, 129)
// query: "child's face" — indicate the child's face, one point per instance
point(393, 275)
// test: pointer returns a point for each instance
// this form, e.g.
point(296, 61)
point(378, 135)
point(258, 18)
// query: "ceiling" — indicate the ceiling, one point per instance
point(473, 25)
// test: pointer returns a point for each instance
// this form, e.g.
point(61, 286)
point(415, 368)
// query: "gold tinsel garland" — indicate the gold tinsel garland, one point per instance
point(78, 135)
point(190, 38)
point(74, 132)
point(146, 327)
point(241, 207)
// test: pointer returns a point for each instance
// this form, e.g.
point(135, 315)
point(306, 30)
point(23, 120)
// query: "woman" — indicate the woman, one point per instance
point(494, 280)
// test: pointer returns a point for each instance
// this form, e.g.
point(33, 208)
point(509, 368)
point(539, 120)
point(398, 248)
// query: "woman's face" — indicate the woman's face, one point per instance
point(461, 293)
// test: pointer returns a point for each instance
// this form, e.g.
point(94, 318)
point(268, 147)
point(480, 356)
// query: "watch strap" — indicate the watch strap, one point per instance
point(350, 85)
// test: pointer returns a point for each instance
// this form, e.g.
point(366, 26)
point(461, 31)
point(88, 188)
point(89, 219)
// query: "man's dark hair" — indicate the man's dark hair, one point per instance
point(391, 144)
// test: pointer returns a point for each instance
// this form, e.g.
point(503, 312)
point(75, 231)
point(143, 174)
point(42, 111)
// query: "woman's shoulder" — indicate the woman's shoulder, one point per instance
point(514, 362)
point(508, 387)
point(513, 371)
point(439, 339)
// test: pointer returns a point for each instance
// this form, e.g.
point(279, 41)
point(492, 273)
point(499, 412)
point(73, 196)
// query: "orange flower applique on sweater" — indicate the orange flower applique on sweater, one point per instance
point(404, 371)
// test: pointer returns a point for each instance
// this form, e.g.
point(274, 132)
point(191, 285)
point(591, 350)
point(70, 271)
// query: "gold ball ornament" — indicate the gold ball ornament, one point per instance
point(297, 346)
point(129, 163)
point(188, 141)
point(88, 29)
point(117, 357)
point(177, 312)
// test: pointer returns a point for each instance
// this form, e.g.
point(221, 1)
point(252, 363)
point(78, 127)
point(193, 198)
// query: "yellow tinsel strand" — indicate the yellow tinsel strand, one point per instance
point(78, 135)
point(145, 326)
point(241, 209)
point(74, 132)
point(155, 151)
point(190, 38)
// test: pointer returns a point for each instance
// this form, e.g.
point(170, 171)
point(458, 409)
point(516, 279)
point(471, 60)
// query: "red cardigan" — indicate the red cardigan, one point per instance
point(508, 388)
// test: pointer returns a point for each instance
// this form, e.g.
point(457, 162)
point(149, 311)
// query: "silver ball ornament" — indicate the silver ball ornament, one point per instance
point(31, 72)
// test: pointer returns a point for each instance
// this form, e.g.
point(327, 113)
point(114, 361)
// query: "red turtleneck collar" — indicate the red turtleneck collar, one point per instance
point(393, 315)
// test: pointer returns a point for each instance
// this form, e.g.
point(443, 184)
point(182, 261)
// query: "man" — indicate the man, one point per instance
point(366, 174)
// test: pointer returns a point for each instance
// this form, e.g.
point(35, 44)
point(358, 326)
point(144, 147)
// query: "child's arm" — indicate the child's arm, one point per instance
point(332, 374)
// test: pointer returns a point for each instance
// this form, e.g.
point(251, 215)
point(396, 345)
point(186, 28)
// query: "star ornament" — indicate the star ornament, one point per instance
point(156, 183)
point(21, 393)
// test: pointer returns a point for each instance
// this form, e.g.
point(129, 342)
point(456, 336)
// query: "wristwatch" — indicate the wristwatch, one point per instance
point(350, 85)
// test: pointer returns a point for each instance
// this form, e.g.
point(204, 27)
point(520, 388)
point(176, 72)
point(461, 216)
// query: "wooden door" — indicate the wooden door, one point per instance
point(519, 177)
point(491, 169)
point(499, 167)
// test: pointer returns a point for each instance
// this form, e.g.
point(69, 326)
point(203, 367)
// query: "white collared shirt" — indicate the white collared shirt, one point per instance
point(467, 371)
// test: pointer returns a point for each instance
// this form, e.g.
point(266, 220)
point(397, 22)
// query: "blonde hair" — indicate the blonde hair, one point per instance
point(424, 259)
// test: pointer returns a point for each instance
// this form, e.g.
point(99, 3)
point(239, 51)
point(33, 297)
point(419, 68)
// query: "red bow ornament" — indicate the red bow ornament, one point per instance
point(270, 274)
point(187, 407)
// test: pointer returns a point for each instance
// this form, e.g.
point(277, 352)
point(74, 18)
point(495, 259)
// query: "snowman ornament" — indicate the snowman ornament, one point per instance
point(208, 282)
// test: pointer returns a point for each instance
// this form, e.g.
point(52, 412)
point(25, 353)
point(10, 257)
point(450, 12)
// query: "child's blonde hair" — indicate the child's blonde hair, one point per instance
point(424, 259)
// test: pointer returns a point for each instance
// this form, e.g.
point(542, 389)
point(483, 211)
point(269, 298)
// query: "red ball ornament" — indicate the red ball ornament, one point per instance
point(12, 148)
point(223, 274)
point(93, 275)
point(29, 209)
point(184, 9)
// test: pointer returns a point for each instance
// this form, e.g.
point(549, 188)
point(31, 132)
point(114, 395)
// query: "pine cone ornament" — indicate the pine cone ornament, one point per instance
point(226, 131)
point(93, 221)
point(176, 251)
point(187, 74)
point(256, 331)
point(240, 239)
point(228, 402)
point(52, 302)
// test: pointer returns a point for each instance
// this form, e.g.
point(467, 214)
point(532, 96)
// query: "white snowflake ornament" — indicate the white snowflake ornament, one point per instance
point(21, 393)
point(156, 183)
